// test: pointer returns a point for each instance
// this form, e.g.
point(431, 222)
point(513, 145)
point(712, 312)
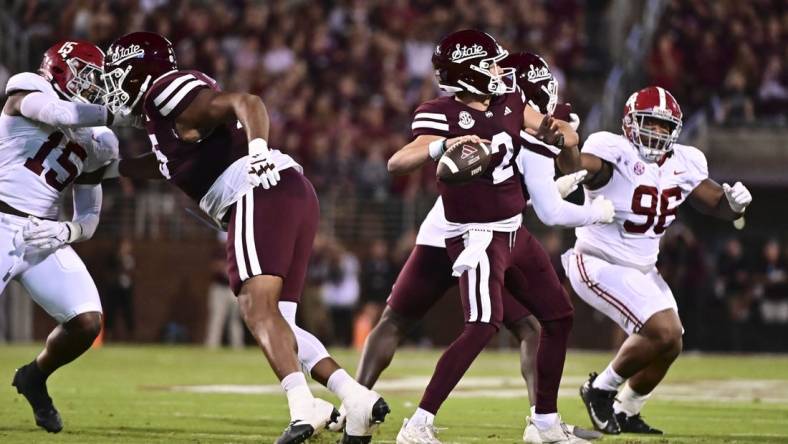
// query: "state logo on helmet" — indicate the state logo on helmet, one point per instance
point(133, 63)
point(465, 60)
point(535, 79)
point(74, 68)
point(644, 113)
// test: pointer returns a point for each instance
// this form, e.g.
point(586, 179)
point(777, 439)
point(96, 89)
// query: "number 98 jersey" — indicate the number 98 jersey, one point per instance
point(496, 194)
point(646, 197)
point(38, 162)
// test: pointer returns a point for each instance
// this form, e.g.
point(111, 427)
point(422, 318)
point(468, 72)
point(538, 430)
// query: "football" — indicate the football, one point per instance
point(462, 162)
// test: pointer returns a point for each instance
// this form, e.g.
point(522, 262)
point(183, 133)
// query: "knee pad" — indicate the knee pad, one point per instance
point(310, 349)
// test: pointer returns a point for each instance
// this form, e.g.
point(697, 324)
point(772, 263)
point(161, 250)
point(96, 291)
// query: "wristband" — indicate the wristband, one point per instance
point(257, 146)
point(437, 147)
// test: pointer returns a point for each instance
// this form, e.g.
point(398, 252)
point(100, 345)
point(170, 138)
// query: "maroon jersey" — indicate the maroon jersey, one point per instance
point(495, 194)
point(192, 167)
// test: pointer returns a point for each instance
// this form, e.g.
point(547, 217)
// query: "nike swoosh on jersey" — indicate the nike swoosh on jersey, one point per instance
point(678, 172)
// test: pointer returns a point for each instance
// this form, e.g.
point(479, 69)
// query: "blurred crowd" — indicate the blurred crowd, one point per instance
point(728, 57)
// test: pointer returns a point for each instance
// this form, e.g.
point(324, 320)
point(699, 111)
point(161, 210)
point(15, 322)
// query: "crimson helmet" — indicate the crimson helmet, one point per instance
point(535, 79)
point(656, 103)
point(133, 62)
point(74, 69)
point(462, 62)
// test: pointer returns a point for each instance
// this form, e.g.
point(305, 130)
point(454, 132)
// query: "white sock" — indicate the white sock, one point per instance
point(422, 417)
point(544, 421)
point(298, 393)
point(629, 401)
point(608, 379)
point(341, 384)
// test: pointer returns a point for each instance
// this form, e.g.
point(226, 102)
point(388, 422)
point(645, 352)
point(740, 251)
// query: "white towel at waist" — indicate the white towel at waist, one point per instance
point(477, 237)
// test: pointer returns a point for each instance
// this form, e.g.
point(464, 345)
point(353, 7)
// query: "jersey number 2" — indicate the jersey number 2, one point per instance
point(651, 212)
point(36, 163)
point(505, 169)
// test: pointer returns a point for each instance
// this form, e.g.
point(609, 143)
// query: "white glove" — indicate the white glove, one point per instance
point(47, 234)
point(574, 121)
point(262, 169)
point(738, 196)
point(603, 210)
point(124, 118)
point(568, 184)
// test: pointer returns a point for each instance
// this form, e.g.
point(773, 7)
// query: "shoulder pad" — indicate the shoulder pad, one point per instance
point(28, 81)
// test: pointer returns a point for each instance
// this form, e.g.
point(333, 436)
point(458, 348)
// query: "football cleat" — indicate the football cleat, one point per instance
point(588, 435)
point(599, 404)
point(316, 419)
point(635, 424)
point(365, 412)
point(559, 433)
point(417, 434)
point(45, 413)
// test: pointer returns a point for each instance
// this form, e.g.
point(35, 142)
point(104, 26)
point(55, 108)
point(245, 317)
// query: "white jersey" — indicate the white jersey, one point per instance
point(646, 197)
point(38, 161)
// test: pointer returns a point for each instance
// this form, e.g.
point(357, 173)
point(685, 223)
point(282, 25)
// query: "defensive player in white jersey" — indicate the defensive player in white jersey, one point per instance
point(647, 175)
point(45, 147)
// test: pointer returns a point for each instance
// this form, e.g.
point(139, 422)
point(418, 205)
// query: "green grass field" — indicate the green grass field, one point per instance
point(186, 395)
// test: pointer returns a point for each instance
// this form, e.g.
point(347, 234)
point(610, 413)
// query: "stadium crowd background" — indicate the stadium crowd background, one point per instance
point(340, 80)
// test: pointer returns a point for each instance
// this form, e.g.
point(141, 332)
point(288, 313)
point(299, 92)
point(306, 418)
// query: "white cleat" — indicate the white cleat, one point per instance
point(308, 421)
point(417, 434)
point(558, 433)
point(365, 411)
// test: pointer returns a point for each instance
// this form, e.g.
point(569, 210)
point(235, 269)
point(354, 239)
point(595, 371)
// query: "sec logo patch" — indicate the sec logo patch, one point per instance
point(639, 168)
point(465, 120)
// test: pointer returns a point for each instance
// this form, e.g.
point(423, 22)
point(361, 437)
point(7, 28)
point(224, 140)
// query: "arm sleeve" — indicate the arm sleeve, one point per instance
point(61, 113)
point(87, 207)
point(538, 172)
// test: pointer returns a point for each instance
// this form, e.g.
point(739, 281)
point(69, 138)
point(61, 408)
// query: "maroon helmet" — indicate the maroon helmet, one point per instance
point(463, 61)
point(535, 79)
point(655, 103)
point(74, 69)
point(133, 62)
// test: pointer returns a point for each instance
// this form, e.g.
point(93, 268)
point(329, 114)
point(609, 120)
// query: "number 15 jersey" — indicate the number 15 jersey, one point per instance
point(37, 161)
point(646, 197)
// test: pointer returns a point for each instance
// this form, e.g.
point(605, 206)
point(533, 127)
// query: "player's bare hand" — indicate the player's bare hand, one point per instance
point(549, 131)
point(262, 169)
point(462, 139)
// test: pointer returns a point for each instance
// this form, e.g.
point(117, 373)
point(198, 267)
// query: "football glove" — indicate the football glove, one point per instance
point(574, 121)
point(124, 118)
point(262, 169)
point(603, 209)
point(738, 196)
point(568, 184)
point(47, 234)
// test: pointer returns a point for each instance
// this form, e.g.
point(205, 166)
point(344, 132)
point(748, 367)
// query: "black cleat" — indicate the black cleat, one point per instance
point(599, 404)
point(35, 391)
point(296, 433)
point(379, 411)
point(635, 424)
point(299, 431)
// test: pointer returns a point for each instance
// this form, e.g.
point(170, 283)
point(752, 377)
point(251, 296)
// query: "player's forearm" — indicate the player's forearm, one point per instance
point(253, 115)
point(61, 113)
point(569, 160)
point(87, 207)
point(408, 159)
point(546, 201)
point(724, 211)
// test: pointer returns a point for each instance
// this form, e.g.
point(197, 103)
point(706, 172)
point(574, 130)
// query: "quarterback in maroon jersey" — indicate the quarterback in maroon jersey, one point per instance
point(484, 237)
point(427, 275)
point(213, 146)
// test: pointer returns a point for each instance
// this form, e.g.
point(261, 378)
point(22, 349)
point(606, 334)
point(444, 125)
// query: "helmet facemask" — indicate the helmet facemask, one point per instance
point(502, 83)
point(84, 85)
point(116, 99)
point(652, 144)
